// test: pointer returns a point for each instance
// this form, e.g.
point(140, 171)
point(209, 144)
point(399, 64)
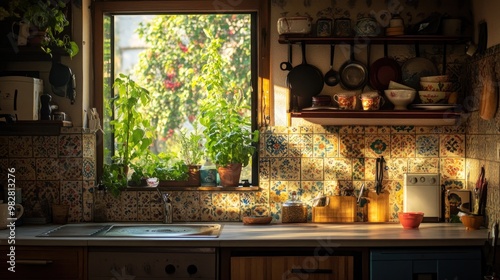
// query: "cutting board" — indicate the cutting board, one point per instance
point(340, 209)
point(378, 207)
point(489, 93)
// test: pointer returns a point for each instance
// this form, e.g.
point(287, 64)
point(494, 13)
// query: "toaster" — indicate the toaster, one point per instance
point(19, 96)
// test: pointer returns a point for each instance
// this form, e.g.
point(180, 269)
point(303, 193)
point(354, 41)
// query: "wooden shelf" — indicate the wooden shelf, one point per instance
point(394, 40)
point(33, 127)
point(383, 117)
point(211, 189)
point(30, 54)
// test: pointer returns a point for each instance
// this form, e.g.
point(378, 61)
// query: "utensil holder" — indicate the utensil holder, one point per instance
point(340, 209)
point(60, 213)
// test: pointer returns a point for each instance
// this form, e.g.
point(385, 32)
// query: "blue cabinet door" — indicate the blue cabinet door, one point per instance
point(384, 270)
point(459, 269)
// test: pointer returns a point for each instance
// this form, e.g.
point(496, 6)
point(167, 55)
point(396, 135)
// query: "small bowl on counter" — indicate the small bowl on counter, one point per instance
point(257, 220)
point(472, 222)
point(410, 220)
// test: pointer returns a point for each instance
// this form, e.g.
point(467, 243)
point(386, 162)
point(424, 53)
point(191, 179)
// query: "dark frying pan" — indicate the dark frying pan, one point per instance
point(305, 80)
point(353, 74)
point(384, 70)
point(287, 65)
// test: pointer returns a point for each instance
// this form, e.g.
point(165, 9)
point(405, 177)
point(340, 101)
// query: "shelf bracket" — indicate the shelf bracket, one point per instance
point(444, 59)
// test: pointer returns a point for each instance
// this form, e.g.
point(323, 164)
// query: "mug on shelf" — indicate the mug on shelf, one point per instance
point(346, 100)
point(371, 101)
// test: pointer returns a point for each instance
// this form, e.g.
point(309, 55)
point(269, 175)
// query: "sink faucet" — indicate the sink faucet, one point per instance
point(167, 208)
point(165, 197)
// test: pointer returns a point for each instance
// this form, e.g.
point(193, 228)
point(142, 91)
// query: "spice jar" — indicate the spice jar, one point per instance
point(294, 211)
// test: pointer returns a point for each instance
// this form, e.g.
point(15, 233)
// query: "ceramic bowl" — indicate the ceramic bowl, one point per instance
point(472, 222)
point(410, 220)
point(435, 79)
point(400, 97)
point(257, 220)
point(431, 97)
point(395, 85)
point(439, 86)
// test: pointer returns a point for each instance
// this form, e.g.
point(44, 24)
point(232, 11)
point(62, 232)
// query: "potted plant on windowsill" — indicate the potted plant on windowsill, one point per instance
point(229, 138)
point(48, 21)
point(192, 151)
point(132, 132)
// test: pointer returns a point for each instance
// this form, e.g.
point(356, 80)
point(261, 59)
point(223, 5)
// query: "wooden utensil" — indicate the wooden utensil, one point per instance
point(489, 94)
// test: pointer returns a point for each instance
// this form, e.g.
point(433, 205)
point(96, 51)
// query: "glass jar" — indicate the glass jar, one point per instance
point(294, 211)
point(208, 174)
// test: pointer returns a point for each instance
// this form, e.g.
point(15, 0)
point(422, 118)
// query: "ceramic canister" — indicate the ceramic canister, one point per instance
point(367, 26)
point(342, 27)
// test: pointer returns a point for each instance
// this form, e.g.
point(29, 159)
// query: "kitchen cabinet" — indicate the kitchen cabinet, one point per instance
point(262, 263)
point(430, 263)
point(43, 262)
point(293, 267)
point(382, 117)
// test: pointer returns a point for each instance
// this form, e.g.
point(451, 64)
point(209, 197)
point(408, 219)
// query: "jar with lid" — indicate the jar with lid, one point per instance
point(208, 174)
point(294, 210)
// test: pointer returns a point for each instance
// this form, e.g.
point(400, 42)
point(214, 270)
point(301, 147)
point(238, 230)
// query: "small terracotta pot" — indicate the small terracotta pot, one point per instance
point(230, 174)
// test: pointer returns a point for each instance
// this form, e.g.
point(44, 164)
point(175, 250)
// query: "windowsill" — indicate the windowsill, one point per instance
point(200, 188)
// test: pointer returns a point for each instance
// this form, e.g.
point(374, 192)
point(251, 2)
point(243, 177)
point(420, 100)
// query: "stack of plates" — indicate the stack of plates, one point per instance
point(436, 93)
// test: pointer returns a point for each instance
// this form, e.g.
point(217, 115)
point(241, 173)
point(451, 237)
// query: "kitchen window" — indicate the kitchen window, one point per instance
point(112, 58)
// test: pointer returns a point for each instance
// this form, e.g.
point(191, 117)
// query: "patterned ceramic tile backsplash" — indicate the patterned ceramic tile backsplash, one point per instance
point(306, 159)
point(52, 170)
point(344, 158)
point(482, 136)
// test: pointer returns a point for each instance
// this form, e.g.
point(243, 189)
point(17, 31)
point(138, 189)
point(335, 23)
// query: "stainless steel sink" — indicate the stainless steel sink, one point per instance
point(177, 230)
point(136, 230)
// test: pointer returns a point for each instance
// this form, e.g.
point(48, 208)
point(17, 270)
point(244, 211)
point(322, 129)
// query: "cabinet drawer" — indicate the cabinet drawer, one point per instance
point(43, 263)
point(293, 267)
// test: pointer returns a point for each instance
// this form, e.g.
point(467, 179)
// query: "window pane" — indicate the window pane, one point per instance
point(164, 54)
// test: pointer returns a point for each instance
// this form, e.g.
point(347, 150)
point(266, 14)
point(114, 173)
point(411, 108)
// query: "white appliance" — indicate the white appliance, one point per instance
point(422, 193)
point(19, 96)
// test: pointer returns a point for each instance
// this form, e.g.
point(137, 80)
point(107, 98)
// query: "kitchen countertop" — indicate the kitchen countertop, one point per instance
point(277, 235)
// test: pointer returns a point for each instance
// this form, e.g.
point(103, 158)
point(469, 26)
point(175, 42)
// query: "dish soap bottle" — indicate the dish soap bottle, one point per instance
point(208, 174)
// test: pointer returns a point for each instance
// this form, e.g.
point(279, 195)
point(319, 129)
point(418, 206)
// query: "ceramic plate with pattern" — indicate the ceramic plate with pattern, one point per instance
point(417, 67)
point(434, 106)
